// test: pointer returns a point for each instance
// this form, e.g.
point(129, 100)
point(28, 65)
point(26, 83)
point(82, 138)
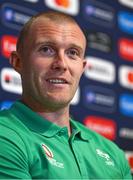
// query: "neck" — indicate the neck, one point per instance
point(58, 116)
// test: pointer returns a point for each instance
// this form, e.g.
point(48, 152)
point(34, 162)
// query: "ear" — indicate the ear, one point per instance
point(84, 64)
point(15, 61)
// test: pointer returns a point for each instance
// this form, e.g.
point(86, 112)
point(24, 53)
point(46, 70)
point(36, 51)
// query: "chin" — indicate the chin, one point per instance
point(59, 102)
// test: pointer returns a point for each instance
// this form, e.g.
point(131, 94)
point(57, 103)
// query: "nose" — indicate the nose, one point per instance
point(60, 62)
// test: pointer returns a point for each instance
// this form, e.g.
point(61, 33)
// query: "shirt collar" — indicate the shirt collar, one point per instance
point(78, 131)
point(38, 124)
point(34, 121)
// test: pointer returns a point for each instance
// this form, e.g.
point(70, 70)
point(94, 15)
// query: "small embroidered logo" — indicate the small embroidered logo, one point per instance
point(49, 156)
point(107, 158)
point(47, 150)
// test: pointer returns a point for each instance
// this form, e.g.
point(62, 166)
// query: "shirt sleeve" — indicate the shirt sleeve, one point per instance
point(126, 168)
point(13, 159)
point(127, 174)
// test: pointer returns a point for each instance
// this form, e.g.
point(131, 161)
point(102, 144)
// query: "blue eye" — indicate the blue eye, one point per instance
point(47, 51)
point(73, 53)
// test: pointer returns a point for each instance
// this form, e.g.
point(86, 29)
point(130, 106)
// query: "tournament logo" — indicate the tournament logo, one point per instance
point(47, 150)
point(49, 156)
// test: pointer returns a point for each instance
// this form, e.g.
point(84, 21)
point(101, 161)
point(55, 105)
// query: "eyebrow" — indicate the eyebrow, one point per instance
point(77, 46)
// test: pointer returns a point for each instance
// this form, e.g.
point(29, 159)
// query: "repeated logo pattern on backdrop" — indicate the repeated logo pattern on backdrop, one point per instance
point(104, 99)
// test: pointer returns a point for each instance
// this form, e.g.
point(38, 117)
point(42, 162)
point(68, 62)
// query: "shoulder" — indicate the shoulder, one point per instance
point(9, 120)
point(6, 119)
point(99, 141)
point(14, 135)
point(13, 150)
point(10, 137)
point(106, 149)
point(11, 128)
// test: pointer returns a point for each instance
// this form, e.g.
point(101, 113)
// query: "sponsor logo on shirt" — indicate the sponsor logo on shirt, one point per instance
point(99, 41)
point(128, 3)
point(66, 6)
point(99, 99)
point(125, 76)
point(76, 98)
point(126, 133)
point(15, 16)
point(104, 126)
point(125, 21)
point(126, 49)
point(108, 160)
point(98, 13)
point(8, 44)
point(49, 156)
point(100, 70)
point(129, 156)
point(11, 81)
point(126, 104)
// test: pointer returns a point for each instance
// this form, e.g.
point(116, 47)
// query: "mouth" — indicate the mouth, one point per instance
point(57, 81)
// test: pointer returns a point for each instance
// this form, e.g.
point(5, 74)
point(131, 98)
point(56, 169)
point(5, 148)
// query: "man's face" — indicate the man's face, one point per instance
point(52, 63)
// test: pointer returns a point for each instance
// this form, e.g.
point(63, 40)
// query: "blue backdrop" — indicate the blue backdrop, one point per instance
point(104, 99)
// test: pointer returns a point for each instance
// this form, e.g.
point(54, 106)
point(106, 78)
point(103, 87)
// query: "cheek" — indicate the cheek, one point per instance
point(30, 73)
point(35, 65)
point(78, 72)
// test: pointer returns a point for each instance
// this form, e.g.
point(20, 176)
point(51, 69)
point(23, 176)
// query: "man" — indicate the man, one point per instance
point(38, 139)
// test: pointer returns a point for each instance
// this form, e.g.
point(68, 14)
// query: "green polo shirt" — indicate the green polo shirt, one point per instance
point(33, 148)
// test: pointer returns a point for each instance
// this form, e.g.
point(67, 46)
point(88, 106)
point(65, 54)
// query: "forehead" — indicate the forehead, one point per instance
point(65, 32)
